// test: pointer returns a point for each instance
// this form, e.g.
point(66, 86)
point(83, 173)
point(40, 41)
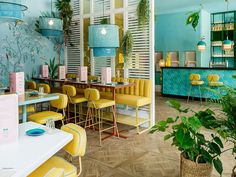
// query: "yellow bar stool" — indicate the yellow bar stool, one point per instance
point(195, 80)
point(59, 104)
point(213, 81)
point(76, 148)
point(75, 100)
point(95, 110)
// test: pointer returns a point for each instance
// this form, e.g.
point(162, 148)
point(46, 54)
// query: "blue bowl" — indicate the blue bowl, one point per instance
point(35, 132)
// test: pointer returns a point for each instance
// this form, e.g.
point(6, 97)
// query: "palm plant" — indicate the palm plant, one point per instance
point(53, 68)
point(143, 12)
point(127, 45)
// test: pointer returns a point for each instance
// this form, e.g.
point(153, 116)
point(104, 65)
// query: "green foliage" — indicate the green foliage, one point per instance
point(53, 68)
point(127, 45)
point(193, 19)
point(105, 21)
point(184, 131)
point(66, 13)
point(143, 12)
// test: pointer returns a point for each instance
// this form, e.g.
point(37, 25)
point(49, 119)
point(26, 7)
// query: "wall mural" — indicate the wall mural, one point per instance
point(23, 49)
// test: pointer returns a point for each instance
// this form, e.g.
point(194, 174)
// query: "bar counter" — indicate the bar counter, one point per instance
point(175, 80)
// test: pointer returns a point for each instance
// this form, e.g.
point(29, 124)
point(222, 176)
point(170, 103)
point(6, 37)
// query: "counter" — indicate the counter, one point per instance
point(175, 80)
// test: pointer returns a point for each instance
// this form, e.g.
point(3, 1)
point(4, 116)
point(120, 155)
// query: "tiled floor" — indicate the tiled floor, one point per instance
point(143, 155)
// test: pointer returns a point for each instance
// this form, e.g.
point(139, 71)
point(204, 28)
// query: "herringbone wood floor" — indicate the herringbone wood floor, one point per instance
point(143, 155)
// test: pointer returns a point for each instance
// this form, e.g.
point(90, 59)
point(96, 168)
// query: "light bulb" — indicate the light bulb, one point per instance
point(103, 31)
point(51, 22)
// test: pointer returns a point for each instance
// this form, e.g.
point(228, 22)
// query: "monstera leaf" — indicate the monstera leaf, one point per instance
point(193, 19)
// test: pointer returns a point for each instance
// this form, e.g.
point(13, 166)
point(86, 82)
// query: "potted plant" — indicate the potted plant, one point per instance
point(53, 68)
point(198, 154)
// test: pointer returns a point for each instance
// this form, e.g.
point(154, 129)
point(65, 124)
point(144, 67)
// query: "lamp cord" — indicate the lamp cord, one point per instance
point(51, 7)
point(103, 8)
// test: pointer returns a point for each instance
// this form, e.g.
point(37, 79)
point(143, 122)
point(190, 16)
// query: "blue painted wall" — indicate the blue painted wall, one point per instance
point(172, 34)
point(23, 49)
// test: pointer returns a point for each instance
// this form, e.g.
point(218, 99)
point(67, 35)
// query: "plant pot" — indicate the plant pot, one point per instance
point(189, 168)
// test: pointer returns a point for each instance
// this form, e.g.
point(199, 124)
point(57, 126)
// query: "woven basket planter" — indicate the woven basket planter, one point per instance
point(189, 168)
point(233, 172)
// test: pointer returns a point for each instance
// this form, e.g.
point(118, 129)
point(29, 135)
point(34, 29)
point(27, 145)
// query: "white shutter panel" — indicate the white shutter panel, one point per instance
point(140, 61)
point(98, 6)
point(73, 48)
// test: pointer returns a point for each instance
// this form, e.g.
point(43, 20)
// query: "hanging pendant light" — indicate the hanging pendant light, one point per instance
point(104, 39)
point(51, 26)
point(11, 10)
point(227, 44)
point(201, 45)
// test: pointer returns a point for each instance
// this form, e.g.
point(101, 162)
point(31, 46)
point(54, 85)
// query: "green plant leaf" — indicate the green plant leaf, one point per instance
point(166, 137)
point(215, 148)
point(218, 165)
point(218, 141)
point(174, 104)
point(170, 120)
point(194, 123)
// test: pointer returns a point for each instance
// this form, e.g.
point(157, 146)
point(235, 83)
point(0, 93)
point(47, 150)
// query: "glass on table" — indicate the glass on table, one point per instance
point(41, 90)
point(50, 124)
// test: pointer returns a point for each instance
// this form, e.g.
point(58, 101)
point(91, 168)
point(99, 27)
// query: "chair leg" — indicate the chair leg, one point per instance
point(87, 117)
point(75, 113)
point(99, 126)
point(137, 120)
point(189, 92)
point(68, 113)
point(200, 93)
point(114, 119)
point(80, 167)
point(149, 116)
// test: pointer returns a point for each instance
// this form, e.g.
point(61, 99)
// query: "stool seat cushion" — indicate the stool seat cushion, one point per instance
point(42, 117)
point(55, 162)
point(216, 84)
point(197, 82)
point(132, 100)
point(78, 99)
point(102, 103)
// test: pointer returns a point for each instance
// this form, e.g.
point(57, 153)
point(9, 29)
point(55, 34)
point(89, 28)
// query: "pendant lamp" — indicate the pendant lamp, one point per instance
point(227, 44)
point(11, 10)
point(104, 39)
point(51, 26)
point(201, 45)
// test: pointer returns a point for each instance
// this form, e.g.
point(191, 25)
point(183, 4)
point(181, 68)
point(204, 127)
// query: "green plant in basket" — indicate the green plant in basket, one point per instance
point(185, 133)
point(53, 68)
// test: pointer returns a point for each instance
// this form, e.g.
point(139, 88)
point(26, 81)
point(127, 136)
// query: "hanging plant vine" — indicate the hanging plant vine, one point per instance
point(193, 19)
point(127, 45)
point(66, 13)
point(143, 12)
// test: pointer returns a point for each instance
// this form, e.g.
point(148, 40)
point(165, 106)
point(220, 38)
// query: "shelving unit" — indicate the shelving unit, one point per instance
point(222, 25)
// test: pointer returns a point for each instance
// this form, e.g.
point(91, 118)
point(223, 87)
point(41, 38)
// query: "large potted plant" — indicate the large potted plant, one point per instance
point(198, 154)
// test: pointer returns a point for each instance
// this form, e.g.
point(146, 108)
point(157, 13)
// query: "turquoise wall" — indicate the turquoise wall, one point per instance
point(23, 49)
point(172, 34)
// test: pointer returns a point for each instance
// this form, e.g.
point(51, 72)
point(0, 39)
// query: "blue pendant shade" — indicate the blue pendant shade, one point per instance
point(50, 27)
point(104, 40)
point(201, 45)
point(11, 10)
point(227, 44)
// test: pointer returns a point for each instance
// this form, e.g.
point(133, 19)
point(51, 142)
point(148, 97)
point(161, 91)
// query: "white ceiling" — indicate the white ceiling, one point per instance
point(171, 6)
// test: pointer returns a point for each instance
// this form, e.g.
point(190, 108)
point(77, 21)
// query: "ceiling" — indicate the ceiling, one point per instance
point(171, 6)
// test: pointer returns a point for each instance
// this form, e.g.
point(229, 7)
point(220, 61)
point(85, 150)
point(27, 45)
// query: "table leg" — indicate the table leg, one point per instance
point(24, 114)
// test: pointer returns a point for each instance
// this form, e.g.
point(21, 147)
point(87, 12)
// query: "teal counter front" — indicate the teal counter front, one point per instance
point(175, 80)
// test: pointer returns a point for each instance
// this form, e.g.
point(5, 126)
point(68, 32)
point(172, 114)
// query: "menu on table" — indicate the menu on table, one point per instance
point(62, 72)
point(44, 71)
point(106, 75)
point(17, 83)
point(83, 73)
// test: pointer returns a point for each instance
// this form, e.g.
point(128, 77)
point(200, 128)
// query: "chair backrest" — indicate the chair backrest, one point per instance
point(69, 90)
point(71, 75)
point(92, 78)
point(91, 94)
point(46, 88)
point(60, 103)
point(142, 87)
point(55, 172)
point(194, 77)
point(213, 78)
point(77, 146)
point(31, 85)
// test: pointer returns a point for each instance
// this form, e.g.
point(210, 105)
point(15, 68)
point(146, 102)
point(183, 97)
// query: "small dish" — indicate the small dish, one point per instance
point(31, 94)
point(35, 132)
point(120, 83)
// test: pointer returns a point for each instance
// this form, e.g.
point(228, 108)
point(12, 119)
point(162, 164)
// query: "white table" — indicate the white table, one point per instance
point(30, 152)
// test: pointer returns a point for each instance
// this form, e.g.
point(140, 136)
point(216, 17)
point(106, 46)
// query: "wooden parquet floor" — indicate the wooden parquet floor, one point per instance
point(143, 155)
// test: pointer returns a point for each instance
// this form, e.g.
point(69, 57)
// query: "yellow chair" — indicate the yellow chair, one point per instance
point(46, 88)
point(74, 99)
point(76, 148)
point(30, 85)
point(195, 80)
point(29, 109)
point(97, 104)
point(42, 117)
point(71, 76)
point(92, 78)
point(213, 80)
point(55, 172)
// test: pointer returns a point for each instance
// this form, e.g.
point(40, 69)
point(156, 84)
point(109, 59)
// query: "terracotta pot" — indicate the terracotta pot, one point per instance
point(189, 168)
point(233, 172)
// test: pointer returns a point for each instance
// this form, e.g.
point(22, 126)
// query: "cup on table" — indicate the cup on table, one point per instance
point(50, 124)
point(41, 90)
point(77, 79)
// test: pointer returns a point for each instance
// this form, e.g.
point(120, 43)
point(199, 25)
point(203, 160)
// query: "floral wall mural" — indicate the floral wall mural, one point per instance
point(23, 49)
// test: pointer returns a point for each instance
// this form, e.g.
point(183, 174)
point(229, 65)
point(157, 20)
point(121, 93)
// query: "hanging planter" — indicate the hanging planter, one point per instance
point(143, 13)
point(127, 45)
point(104, 40)
point(11, 11)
